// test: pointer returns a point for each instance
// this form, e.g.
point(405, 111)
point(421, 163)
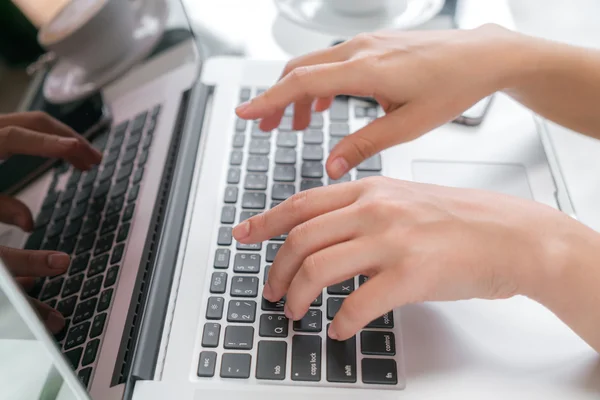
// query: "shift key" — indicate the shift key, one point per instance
point(341, 360)
point(306, 358)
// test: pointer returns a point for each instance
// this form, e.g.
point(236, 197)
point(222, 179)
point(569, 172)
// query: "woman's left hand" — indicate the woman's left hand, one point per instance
point(415, 242)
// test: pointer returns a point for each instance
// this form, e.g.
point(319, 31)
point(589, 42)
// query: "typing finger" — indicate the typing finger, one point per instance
point(17, 140)
point(34, 262)
point(297, 209)
point(53, 320)
point(303, 241)
point(26, 283)
point(323, 103)
point(329, 266)
point(15, 212)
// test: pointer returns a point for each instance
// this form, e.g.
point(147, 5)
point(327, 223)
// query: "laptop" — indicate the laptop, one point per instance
point(160, 300)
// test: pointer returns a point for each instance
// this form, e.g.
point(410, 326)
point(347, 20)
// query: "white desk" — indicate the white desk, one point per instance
point(471, 349)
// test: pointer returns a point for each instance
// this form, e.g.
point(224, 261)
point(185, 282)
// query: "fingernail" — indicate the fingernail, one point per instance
point(241, 231)
point(339, 167)
point(68, 141)
point(267, 291)
point(243, 107)
point(288, 313)
point(58, 261)
point(332, 333)
point(55, 322)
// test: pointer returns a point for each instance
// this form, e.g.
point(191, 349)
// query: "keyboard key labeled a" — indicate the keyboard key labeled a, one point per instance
point(378, 343)
point(207, 363)
point(379, 371)
point(241, 311)
point(311, 322)
point(273, 325)
point(271, 359)
point(306, 358)
point(235, 365)
point(341, 360)
point(246, 263)
point(244, 286)
point(210, 335)
point(238, 338)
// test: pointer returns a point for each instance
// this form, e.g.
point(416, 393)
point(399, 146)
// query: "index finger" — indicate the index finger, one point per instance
point(297, 209)
point(307, 82)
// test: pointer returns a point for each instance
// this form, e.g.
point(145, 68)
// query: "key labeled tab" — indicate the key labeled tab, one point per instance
point(270, 362)
point(306, 358)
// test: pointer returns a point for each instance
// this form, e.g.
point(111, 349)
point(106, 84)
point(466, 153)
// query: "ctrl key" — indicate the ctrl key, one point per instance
point(379, 371)
point(206, 366)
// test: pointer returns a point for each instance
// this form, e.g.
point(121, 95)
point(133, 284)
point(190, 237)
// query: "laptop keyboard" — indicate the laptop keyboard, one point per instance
point(88, 216)
point(244, 335)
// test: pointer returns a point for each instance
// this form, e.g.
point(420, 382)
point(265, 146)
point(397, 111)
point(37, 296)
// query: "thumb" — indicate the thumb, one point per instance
point(402, 125)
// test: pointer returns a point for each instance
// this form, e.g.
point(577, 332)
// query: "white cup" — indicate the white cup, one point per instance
point(366, 7)
point(91, 34)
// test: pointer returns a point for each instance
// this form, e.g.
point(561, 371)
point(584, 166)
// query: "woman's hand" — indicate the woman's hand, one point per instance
point(421, 79)
point(415, 242)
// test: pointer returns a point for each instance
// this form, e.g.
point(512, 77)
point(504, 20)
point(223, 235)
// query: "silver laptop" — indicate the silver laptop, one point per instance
point(161, 301)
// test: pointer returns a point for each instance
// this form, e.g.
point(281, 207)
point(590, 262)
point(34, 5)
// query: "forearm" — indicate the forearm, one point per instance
point(557, 81)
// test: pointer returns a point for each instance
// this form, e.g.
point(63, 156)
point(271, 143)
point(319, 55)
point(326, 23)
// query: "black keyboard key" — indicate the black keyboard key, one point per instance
point(128, 213)
point(246, 263)
point(72, 285)
point(378, 343)
point(308, 184)
point(311, 322)
point(67, 306)
point(271, 359)
point(249, 247)
point(101, 190)
point(119, 189)
point(35, 240)
point(84, 376)
point(72, 228)
point(50, 200)
point(259, 147)
point(386, 321)
point(341, 360)
point(218, 282)
point(285, 156)
point(123, 232)
point(67, 245)
point(267, 305)
point(239, 140)
point(89, 178)
point(225, 238)
point(44, 217)
point(129, 156)
point(52, 288)
point(106, 174)
point(244, 215)
point(79, 263)
point(377, 371)
point(272, 250)
point(98, 265)
point(85, 243)
point(74, 356)
point(51, 244)
point(342, 288)
point(147, 142)
point(254, 200)
point(116, 143)
point(306, 358)
point(339, 110)
point(85, 310)
point(343, 179)
point(370, 164)
point(282, 191)
point(243, 286)
point(143, 158)
point(255, 182)
point(233, 176)
point(104, 300)
point(231, 194)
point(90, 352)
point(222, 258)
point(91, 224)
point(284, 173)
point(210, 335)
point(91, 287)
point(227, 214)
point(117, 253)
point(236, 157)
point(111, 276)
point(98, 325)
point(133, 141)
point(240, 124)
point(241, 311)
point(139, 174)
point(73, 181)
point(138, 122)
point(56, 228)
point(51, 303)
point(333, 306)
point(67, 196)
point(312, 169)
point(109, 225)
point(257, 164)
point(207, 363)
point(312, 152)
point(214, 309)
point(77, 335)
point(318, 302)
point(104, 243)
point(114, 206)
point(133, 193)
point(287, 139)
point(63, 332)
point(81, 201)
point(235, 365)
point(238, 338)
point(273, 325)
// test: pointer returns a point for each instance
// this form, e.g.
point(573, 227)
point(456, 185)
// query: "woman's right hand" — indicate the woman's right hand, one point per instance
point(421, 79)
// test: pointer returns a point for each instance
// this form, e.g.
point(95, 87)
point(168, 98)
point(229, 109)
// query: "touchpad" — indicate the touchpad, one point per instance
point(509, 179)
